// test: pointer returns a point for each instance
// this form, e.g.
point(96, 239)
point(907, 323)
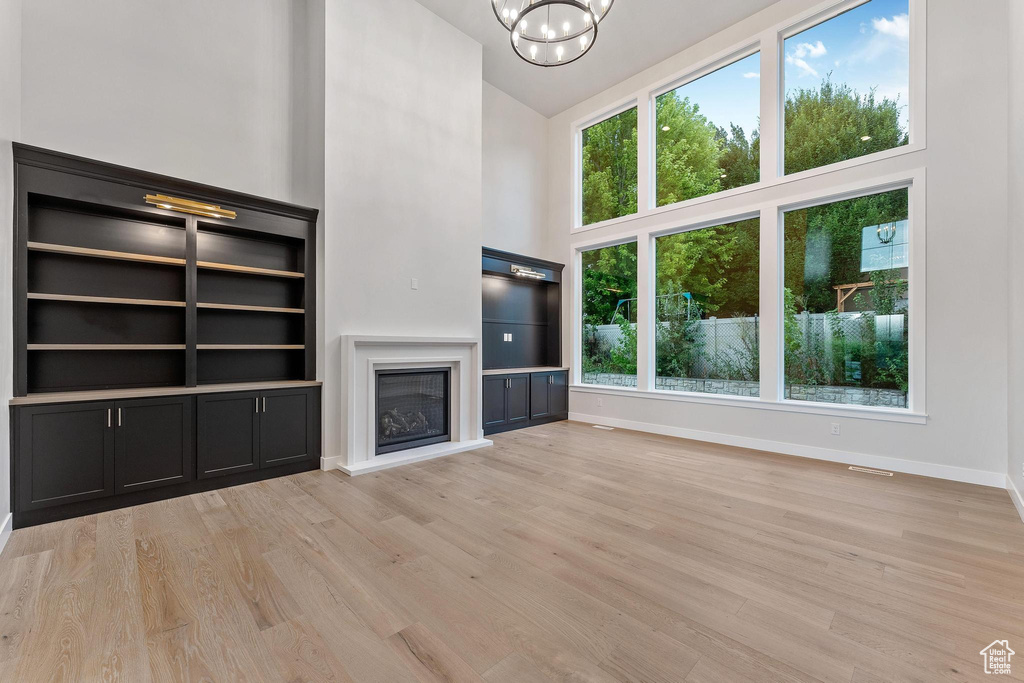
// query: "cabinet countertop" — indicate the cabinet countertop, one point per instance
point(517, 371)
point(149, 392)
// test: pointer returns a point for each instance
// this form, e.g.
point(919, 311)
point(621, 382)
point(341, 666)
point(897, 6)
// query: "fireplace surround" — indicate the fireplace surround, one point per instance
point(362, 356)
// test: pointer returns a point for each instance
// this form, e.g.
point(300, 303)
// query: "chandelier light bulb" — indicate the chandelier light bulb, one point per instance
point(505, 14)
point(543, 30)
point(522, 26)
point(583, 43)
point(551, 34)
point(586, 19)
point(560, 51)
point(596, 18)
point(533, 52)
point(513, 14)
point(565, 28)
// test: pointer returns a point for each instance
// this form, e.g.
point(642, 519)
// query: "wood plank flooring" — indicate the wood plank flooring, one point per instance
point(563, 553)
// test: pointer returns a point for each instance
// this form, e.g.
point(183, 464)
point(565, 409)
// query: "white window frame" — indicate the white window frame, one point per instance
point(772, 387)
point(916, 98)
point(770, 45)
point(577, 158)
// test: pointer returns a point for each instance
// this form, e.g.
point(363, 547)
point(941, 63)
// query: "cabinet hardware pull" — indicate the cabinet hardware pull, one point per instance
point(108, 416)
point(257, 400)
point(118, 417)
point(264, 404)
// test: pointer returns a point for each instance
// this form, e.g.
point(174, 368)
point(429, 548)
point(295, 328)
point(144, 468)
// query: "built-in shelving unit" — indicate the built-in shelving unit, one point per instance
point(117, 293)
point(522, 306)
point(158, 352)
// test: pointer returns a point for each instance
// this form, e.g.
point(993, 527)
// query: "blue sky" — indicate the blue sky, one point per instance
point(867, 47)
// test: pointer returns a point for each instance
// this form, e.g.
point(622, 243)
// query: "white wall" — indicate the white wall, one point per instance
point(10, 125)
point(966, 432)
point(201, 90)
point(402, 171)
point(1016, 251)
point(515, 187)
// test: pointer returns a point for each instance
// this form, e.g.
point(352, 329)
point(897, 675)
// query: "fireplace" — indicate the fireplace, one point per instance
point(413, 408)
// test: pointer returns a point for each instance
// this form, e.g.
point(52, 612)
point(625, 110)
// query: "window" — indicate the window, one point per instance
point(610, 168)
point(847, 86)
point(609, 315)
point(706, 310)
point(707, 133)
point(846, 311)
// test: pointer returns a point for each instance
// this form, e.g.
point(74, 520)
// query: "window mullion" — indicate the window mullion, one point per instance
point(771, 305)
point(771, 108)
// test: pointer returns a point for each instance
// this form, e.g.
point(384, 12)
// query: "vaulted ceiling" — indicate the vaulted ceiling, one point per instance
point(636, 34)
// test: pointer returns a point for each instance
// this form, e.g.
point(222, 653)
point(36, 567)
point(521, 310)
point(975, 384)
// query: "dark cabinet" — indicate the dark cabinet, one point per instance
point(495, 408)
point(549, 394)
point(506, 401)
point(520, 400)
point(286, 426)
point(250, 430)
point(153, 442)
point(65, 454)
point(558, 394)
point(228, 433)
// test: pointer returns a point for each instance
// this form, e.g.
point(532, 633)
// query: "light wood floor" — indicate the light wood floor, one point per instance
point(563, 553)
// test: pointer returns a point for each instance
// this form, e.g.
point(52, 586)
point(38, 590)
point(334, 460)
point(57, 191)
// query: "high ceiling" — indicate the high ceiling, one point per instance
point(637, 34)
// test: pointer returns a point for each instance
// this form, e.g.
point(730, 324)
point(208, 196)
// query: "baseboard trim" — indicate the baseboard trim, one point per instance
point(5, 530)
point(385, 462)
point(950, 472)
point(1018, 500)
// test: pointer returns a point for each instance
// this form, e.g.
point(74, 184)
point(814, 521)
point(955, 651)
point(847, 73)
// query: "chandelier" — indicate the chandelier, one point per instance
point(551, 32)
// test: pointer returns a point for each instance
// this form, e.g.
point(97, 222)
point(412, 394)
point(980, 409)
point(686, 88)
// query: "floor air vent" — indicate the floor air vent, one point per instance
point(602, 427)
point(868, 470)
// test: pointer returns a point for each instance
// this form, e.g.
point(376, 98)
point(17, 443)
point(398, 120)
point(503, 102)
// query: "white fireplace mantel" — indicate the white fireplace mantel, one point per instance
point(363, 355)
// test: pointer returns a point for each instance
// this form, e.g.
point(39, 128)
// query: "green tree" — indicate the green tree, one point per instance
point(610, 168)
point(829, 124)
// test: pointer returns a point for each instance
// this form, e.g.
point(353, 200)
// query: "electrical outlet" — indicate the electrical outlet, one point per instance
point(600, 402)
point(414, 283)
point(835, 429)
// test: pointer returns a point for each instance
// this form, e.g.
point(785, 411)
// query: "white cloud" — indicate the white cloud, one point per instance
point(897, 27)
point(812, 50)
point(805, 68)
point(751, 74)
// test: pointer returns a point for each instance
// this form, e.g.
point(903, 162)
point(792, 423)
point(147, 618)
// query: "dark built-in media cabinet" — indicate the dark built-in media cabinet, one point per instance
point(163, 338)
point(524, 383)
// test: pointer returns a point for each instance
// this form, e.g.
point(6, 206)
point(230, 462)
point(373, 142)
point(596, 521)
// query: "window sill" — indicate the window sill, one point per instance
point(787, 406)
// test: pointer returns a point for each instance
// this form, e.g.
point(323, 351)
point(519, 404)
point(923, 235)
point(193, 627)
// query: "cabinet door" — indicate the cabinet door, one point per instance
point(518, 408)
point(539, 390)
point(285, 426)
point(65, 454)
point(494, 408)
point(228, 438)
point(153, 443)
point(558, 395)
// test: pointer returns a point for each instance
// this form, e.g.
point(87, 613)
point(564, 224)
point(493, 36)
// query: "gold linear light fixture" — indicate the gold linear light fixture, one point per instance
point(523, 271)
point(189, 206)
